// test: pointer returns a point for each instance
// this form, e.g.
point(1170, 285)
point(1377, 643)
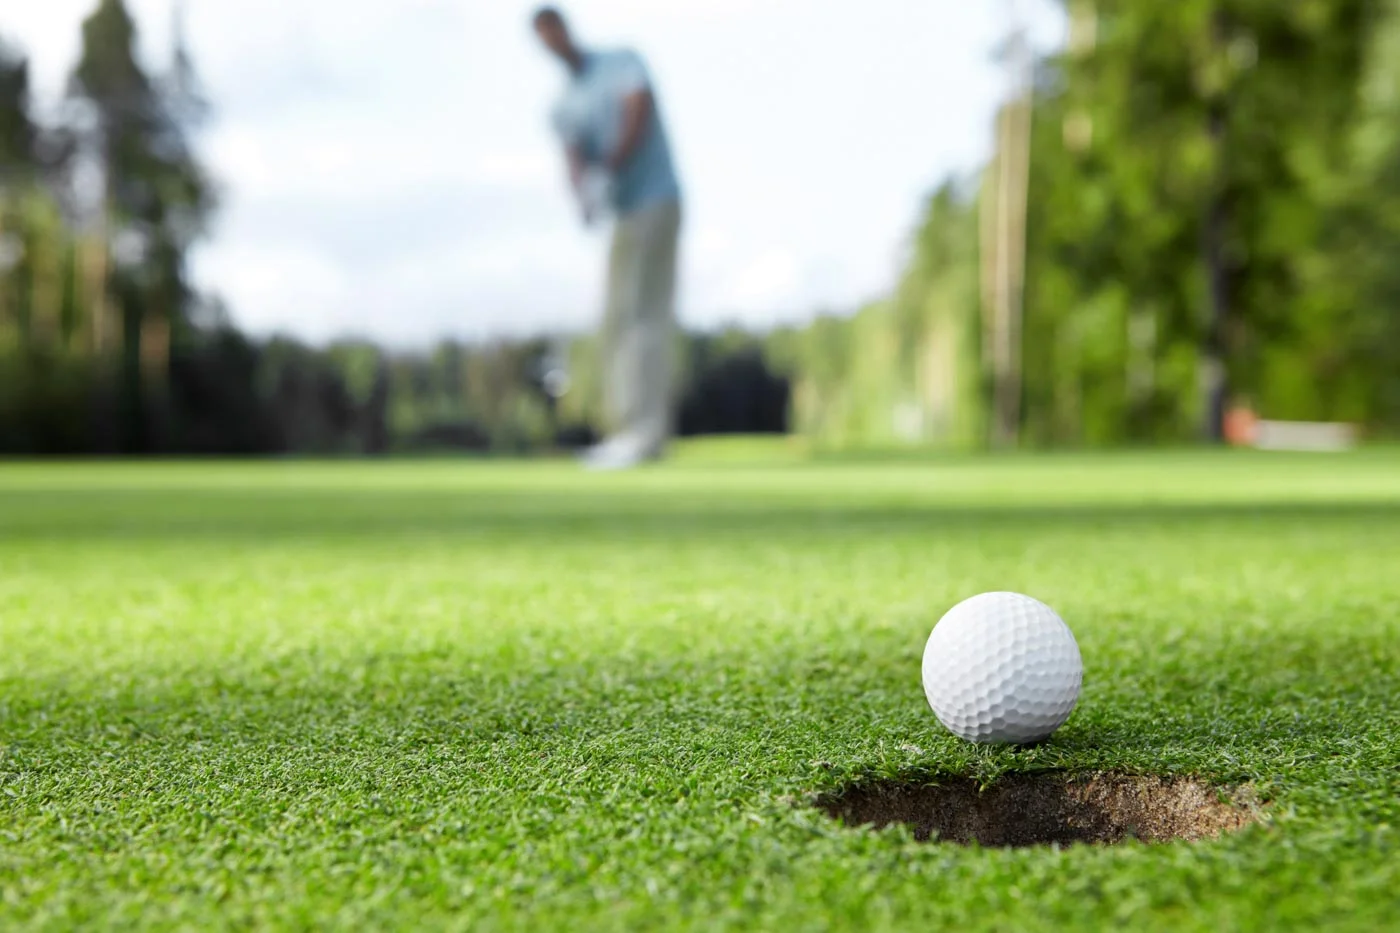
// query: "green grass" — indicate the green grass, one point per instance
point(471, 696)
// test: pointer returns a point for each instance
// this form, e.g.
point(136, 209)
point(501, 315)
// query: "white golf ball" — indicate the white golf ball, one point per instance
point(1002, 667)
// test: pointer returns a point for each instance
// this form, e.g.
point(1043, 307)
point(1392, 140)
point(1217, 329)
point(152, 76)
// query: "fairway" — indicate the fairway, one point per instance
point(422, 695)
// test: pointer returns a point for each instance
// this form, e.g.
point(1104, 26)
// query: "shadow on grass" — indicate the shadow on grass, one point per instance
point(143, 514)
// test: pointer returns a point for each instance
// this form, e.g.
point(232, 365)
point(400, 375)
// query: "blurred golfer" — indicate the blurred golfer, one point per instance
point(620, 165)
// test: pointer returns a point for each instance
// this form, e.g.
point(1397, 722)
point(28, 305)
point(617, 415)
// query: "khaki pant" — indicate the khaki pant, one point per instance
point(639, 324)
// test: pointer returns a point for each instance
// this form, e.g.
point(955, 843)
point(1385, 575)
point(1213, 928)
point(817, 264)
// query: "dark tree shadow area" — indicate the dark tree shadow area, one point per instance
point(150, 514)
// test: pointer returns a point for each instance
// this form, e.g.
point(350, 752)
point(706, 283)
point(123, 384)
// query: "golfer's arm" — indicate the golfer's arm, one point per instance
point(636, 108)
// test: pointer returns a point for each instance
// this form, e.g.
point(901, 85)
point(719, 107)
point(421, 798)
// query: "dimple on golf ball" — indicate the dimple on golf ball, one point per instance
point(1002, 667)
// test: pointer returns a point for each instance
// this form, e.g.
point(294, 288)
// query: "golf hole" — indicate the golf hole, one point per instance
point(1048, 809)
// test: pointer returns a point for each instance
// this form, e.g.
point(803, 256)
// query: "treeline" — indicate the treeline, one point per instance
point(1213, 219)
point(106, 348)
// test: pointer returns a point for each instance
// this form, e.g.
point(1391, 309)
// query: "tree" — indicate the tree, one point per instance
point(1180, 166)
point(1351, 353)
point(18, 133)
point(157, 198)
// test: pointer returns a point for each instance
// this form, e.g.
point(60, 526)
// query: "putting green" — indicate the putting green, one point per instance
point(467, 696)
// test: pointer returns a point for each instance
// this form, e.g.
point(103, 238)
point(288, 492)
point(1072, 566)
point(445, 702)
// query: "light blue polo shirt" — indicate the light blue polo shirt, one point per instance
point(589, 115)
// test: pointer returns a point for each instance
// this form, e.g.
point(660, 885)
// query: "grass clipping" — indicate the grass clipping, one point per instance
point(1049, 809)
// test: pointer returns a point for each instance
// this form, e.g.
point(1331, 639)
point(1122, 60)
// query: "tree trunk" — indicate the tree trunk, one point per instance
point(1003, 233)
point(1215, 378)
point(132, 389)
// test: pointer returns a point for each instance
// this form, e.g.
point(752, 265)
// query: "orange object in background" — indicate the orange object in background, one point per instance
point(1241, 426)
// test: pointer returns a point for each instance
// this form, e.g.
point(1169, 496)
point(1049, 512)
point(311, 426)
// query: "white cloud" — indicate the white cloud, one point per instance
point(388, 170)
point(264, 284)
point(767, 281)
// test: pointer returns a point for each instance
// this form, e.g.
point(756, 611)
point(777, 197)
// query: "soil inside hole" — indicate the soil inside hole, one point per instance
point(1042, 809)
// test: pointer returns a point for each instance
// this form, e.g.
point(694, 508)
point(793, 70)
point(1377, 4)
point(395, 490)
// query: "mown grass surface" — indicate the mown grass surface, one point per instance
point(473, 696)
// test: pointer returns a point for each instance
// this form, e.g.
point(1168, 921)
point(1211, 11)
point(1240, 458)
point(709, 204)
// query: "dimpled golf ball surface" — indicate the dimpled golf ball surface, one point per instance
point(1002, 667)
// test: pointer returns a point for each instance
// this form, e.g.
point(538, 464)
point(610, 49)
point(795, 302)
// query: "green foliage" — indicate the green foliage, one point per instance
point(45, 304)
point(445, 696)
point(1126, 172)
point(18, 133)
point(937, 305)
point(1353, 340)
point(1278, 121)
point(904, 370)
point(49, 399)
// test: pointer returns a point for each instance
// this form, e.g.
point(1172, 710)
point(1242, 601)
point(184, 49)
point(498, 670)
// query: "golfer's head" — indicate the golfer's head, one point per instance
point(554, 33)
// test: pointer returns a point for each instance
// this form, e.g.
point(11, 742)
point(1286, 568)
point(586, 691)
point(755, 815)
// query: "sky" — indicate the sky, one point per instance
point(388, 171)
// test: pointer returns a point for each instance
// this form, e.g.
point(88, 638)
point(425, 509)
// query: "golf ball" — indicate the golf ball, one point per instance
point(1002, 667)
